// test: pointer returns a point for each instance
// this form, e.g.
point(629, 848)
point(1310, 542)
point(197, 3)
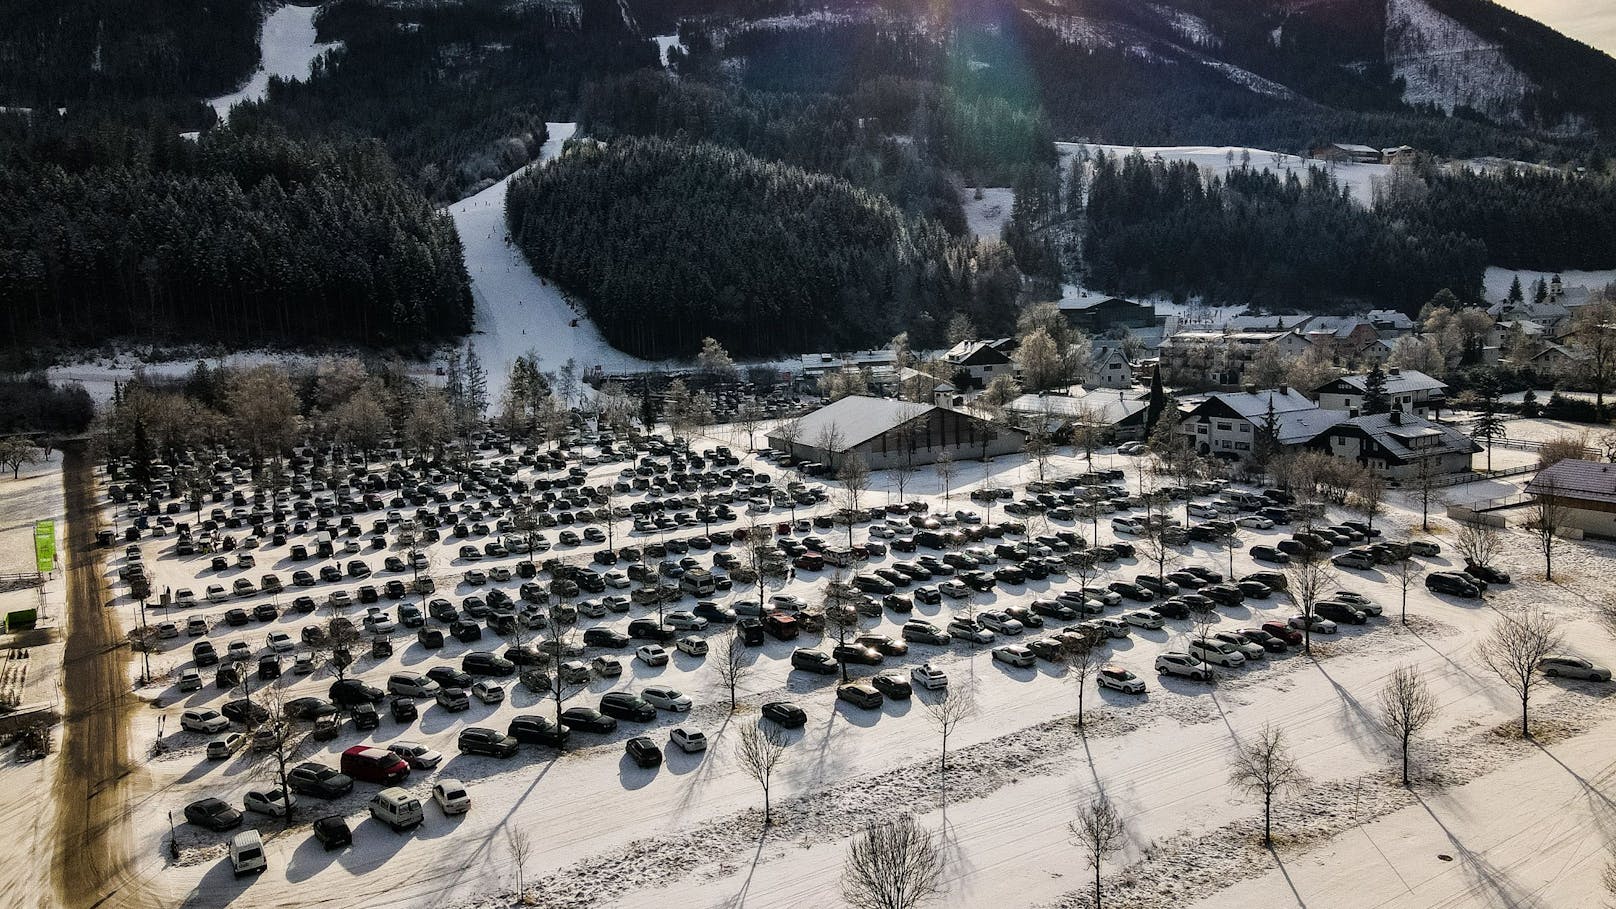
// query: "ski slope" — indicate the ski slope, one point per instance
point(517, 311)
point(287, 48)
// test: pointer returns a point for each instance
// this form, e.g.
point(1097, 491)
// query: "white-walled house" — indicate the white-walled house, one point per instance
point(1408, 390)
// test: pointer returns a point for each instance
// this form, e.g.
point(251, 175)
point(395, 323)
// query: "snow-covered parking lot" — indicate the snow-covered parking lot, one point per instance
point(689, 833)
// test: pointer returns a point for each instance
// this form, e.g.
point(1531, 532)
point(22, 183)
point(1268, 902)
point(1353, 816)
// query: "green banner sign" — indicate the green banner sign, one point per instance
point(45, 546)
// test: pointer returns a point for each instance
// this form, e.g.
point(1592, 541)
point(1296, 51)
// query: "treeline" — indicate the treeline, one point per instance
point(1254, 237)
point(1541, 221)
point(32, 404)
point(98, 52)
point(458, 93)
point(239, 239)
point(668, 243)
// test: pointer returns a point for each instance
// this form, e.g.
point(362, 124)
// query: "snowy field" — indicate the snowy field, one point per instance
point(688, 834)
point(986, 217)
point(288, 49)
point(1497, 280)
point(1219, 160)
point(517, 311)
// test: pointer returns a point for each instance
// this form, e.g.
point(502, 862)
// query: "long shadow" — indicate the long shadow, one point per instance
point(739, 899)
point(1285, 872)
point(1486, 873)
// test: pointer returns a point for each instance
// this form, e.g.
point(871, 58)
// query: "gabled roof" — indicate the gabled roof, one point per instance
point(1299, 426)
point(1404, 382)
point(1078, 304)
point(1397, 434)
point(1391, 318)
point(908, 372)
point(858, 419)
point(1253, 405)
point(1355, 149)
point(976, 353)
point(1591, 481)
point(1105, 406)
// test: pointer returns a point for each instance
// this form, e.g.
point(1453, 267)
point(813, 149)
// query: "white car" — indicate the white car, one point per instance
point(607, 667)
point(1248, 649)
point(418, 756)
point(273, 802)
point(190, 680)
point(1218, 653)
point(1175, 663)
point(616, 580)
point(688, 740)
point(929, 677)
point(488, 692)
point(203, 719)
point(1143, 618)
point(168, 630)
point(280, 642)
point(226, 745)
point(1085, 605)
point(1130, 448)
point(451, 796)
point(651, 655)
point(303, 664)
point(786, 602)
point(1115, 627)
point(1119, 679)
point(1014, 655)
point(692, 645)
point(379, 623)
point(1255, 522)
point(1358, 601)
point(1199, 510)
point(999, 622)
point(954, 590)
point(881, 532)
point(963, 629)
point(664, 698)
point(684, 621)
point(1322, 626)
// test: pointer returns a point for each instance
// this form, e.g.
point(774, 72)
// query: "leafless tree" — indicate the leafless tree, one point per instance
point(1202, 620)
point(1514, 647)
point(854, 475)
point(1264, 766)
point(1081, 663)
point(1310, 577)
point(1548, 518)
point(893, 864)
point(1425, 485)
point(285, 738)
point(1406, 574)
point(733, 665)
point(1369, 495)
point(1478, 542)
point(954, 706)
point(1040, 446)
point(520, 844)
point(946, 469)
point(904, 470)
point(760, 555)
point(1231, 544)
point(760, 750)
point(841, 615)
point(1154, 548)
point(1406, 707)
point(1099, 831)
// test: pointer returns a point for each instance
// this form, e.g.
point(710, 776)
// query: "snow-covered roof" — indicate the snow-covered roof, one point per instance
point(1104, 406)
point(856, 419)
point(976, 353)
point(1591, 481)
point(1397, 433)
point(1298, 426)
point(1254, 404)
point(1401, 382)
point(1355, 149)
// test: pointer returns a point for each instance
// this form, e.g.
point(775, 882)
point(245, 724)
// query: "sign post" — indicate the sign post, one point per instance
point(45, 546)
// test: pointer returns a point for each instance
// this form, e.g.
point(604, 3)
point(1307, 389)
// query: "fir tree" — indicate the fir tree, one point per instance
point(1375, 398)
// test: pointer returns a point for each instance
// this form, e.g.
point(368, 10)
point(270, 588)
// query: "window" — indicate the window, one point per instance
point(1242, 446)
point(1224, 427)
point(1223, 443)
point(1245, 427)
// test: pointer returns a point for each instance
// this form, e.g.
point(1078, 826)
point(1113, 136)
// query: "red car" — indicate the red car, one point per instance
point(1284, 632)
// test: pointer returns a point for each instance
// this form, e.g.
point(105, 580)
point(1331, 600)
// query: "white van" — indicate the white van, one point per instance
point(396, 808)
point(247, 853)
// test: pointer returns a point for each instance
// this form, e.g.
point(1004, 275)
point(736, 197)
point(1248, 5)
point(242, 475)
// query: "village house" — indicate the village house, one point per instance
point(1408, 390)
point(1229, 424)
point(1397, 445)
point(1109, 367)
point(1218, 359)
point(1100, 314)
point(1346, 153)
point(976, 363)
point(1584, 493)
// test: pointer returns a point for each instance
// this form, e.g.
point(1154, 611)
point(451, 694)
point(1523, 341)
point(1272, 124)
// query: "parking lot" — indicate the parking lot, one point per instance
point(837, 736)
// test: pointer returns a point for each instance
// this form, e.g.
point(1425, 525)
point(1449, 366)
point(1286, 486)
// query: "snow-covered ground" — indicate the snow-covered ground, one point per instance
point(664, 43)
point(610, 834)
point(1497, 280)
point(986, 217)
point(517, 311)
point(288, 49)
point(1219, 160)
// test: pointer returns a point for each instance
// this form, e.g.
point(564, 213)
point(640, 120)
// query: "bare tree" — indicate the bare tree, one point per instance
point(1514, 647)
point(1230, 542)
point(1099, 831)
point(1369, 495)
point(1406, 574)
point(946, 471)
point(1478, 542)
point(761, 555)
point(854, 475)
point(1264, 766)
point(1548, 517)
point(903, 436)
point(1406, 707)
point(733, 665)
point(1081, 665)
point(761, 750)
point(841, 615)
point(282, 742)
point(1425, 486)
point(520, 844)
point(1310, 577)
point(893, 864)
point(956, 705)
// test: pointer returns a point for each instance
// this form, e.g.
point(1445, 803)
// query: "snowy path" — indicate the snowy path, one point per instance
point(287, 47)
point(517, 312)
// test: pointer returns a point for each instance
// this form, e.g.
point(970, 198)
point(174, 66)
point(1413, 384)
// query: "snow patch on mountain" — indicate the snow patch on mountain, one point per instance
point(1190, 27)
point(1445, 64)
point(1095, 34)
point(1250, 80)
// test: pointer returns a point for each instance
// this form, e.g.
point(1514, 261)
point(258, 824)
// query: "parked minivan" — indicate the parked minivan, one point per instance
point(370, 764)
point(395, 807)
point(247, 853)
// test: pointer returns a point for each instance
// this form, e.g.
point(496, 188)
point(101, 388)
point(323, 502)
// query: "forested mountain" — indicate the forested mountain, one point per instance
point(668, 242)
point(240, 239)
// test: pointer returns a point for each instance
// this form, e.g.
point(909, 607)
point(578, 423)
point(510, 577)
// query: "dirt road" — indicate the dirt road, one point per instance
point(94, 777)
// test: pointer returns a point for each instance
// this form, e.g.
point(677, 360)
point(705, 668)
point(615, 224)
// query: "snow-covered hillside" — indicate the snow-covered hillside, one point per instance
point(288, 49)
point(1444, 63)
point(517, 311)
point(1218, 160)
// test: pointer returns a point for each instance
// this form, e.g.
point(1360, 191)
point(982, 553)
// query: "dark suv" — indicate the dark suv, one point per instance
point(482, 662)
point(480, 740)
point(1452, 582)
point(536, 730)
point(622, 705)
point(813, 661)
point(347, 692)
point(319, 781)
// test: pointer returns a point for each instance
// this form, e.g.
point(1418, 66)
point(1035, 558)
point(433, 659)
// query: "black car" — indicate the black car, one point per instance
point(1269, 642)
point(1223, 594)
point(308, 708)
point(713, 612)
point(333, 832)
point(928, 595)
point(601, 636)
point(892, 685)
point(1257, 590)
point(236, 617)
point(245, 712)
point(651, 630)
point(481, 740)
point(319, 781)
point(1173, 608)
point(403, 709)
point(1060, 612)
point(1274, 580)
point(816, 661)
point(1025, 616)
point(346, 692)
point(1270, 554)
point(266, 612)
point(536, 730)
point(410, 616)
point(589, 719)
point(1131, 591)
point(449, 677)
point(898, 603)
point(1158, 586)
point(1452, 582)
point(214, 814)
point(430, 638)
point(624, 705)
point(482, 662)
point(1123, 550)
point(851, 653)
point(466, 632)
point(785, 715)
point(1339, 612)
point(643, 751)
point(1486, 573)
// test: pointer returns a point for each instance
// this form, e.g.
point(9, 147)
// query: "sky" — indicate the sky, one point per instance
point(1593, 22)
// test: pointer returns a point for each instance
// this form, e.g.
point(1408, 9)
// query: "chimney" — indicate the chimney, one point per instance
point(1395, 371)
point(1251, 389)
point(1397, 417)
point(1284, 389)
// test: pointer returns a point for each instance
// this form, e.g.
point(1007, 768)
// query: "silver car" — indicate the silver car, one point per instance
point(1571, 667)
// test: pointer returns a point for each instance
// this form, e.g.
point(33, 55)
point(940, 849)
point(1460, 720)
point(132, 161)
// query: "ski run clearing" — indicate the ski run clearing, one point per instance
point(287, 47)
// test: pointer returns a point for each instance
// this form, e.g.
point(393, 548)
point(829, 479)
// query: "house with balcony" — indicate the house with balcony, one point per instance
point(1408, 390)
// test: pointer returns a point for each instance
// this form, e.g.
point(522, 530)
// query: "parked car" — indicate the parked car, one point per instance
point(451, 796)
point(274, 802)
point(1269, 554)
point(1119, 679)
point(1014, 655)
point(665, 698)
point(1320, 625)
point(1573, 668)
point(332, 832)
point(643, 752)
point(587, 719)
point(482, 740)
point(860, 694)
point(1182, 664)
point(1453, 583)
point(785, 714)
point(689, 741)
point(815, 661)
point(537, 730)
point(213, 814)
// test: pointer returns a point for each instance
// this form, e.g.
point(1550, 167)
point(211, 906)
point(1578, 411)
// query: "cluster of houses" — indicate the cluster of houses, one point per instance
point(1349, 153)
